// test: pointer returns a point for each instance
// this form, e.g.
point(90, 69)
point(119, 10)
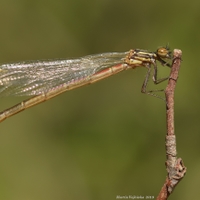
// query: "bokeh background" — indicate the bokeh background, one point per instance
point(106, 139)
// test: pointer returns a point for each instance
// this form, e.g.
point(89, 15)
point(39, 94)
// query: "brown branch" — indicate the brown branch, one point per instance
point(175, 167)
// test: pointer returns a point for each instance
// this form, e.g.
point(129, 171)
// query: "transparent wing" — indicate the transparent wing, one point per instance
point(36, 77)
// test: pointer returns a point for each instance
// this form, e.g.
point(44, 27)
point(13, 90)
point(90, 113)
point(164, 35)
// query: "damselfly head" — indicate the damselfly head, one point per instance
point(164, 52)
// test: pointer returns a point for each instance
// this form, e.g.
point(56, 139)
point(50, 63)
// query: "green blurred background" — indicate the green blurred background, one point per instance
point(106, 139)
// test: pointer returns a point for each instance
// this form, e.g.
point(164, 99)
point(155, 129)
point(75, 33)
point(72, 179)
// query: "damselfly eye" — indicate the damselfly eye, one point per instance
point(163, 52)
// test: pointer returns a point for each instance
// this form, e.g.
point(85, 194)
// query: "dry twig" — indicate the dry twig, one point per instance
point(175, 167)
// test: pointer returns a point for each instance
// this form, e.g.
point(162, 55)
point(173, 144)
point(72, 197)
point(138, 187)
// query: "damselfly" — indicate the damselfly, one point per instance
point(46, 79)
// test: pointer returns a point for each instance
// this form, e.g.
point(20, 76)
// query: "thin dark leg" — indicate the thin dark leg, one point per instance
point(144, 85)
point(155, 80)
